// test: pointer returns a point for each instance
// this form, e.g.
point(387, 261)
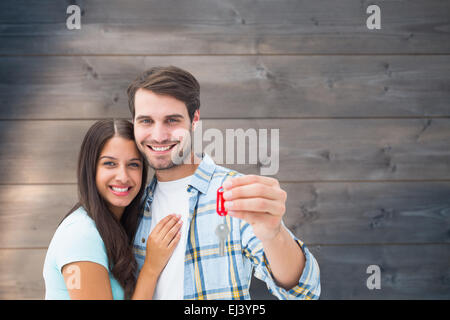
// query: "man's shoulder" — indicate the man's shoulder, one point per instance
point(218, 177)
point(210, 176)
point(224, 173)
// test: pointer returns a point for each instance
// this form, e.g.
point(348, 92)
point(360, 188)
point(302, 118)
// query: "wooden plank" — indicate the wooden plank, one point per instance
point(224, 27)
point(21, 273)
point(368, 213)
point(317, 213)
point(30, 214)
point(407, 272)
point(233, 87)
point(309, 150)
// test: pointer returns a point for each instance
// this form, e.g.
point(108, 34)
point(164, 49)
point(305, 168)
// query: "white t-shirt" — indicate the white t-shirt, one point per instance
point(172, 197)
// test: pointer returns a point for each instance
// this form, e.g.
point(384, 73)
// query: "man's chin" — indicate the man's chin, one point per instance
point(163, 167)
point(157, 165)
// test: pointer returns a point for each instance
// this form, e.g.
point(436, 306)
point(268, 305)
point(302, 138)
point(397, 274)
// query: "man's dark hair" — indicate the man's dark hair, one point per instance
point(171, 81)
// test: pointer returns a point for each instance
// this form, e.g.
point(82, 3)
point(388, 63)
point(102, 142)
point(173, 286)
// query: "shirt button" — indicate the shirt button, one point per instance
point(143, 240)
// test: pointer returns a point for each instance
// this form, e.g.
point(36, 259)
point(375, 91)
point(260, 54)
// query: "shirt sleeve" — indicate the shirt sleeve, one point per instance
point(308, 286)
point(80, 241)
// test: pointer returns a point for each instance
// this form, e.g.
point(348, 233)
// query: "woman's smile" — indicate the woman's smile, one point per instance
point(120, 190)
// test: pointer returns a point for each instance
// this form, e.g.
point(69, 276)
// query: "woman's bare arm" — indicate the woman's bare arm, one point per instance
point(87, 280)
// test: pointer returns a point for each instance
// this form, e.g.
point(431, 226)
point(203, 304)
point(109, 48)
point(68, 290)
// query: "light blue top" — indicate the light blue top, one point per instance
point(76, 239)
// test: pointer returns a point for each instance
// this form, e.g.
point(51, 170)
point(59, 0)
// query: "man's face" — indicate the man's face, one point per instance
point(162, 129)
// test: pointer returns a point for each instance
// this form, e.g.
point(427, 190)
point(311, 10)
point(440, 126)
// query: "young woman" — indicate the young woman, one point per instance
point(91, 254)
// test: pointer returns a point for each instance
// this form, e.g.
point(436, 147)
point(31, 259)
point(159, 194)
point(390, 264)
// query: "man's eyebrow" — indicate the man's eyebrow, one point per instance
point(142, 117)
point(175, 115)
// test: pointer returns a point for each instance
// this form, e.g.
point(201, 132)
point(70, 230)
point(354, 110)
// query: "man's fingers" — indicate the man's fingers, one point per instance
point(253, 217)
point(257, 205)
point(249, 179)
point(256, 190)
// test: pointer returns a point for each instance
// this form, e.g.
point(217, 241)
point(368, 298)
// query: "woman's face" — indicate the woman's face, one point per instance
point(119, 173)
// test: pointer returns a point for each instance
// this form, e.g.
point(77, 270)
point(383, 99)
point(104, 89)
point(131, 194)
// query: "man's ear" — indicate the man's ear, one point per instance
point(195, 119)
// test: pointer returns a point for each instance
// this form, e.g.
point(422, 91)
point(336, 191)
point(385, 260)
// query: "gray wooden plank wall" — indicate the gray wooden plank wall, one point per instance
point(364, 120)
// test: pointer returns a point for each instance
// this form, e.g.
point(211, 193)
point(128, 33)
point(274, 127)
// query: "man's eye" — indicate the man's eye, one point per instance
point(172, 120)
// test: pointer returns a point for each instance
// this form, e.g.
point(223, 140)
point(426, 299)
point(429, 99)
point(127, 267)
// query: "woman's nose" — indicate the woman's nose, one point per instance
point(122, 174)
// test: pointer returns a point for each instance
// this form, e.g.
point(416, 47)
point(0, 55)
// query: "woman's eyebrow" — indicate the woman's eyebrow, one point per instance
point(108, 157)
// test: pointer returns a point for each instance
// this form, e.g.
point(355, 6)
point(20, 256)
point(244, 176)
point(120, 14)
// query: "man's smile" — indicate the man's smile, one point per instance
point(160, 149)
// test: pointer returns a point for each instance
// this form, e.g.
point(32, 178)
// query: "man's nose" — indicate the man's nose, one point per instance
point(159, 133)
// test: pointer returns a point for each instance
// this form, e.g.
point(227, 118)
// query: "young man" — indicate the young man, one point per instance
point(164, 102)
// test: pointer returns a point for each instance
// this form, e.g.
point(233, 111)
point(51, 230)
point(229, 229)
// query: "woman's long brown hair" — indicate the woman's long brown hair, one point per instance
point(117, 235)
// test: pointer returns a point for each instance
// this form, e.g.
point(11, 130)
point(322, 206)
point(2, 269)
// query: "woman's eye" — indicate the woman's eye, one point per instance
point(109, 163)
point(135, 165)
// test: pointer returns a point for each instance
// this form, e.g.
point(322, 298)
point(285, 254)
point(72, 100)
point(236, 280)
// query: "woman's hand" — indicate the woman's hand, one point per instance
point(161, 243)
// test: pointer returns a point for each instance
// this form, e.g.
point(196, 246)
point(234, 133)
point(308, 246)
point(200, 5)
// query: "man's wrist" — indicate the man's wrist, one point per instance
point(276, 239)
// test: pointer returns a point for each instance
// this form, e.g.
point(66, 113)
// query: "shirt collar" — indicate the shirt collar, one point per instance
point(200, 179)
point(202, 176)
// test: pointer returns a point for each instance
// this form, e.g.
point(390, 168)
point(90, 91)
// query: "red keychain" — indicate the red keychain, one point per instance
point(220, 208)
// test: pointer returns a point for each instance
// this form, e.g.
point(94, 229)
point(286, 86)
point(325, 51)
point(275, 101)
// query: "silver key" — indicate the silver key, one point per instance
point(222, 232)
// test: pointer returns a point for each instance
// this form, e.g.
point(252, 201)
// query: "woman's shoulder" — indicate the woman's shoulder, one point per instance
point(78, 224)
point(78, 218)
point(77, 239)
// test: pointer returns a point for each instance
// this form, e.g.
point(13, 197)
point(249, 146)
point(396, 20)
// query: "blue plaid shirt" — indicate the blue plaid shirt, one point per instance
point(208, 275)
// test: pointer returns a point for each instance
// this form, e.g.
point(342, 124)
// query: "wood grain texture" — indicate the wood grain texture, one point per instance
point(309, 150)
point(318, 213)
point(407, 272)
point(30, 214)
point(224, 27)
point(233, 87)
point(21, 274)
point(369, 213)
